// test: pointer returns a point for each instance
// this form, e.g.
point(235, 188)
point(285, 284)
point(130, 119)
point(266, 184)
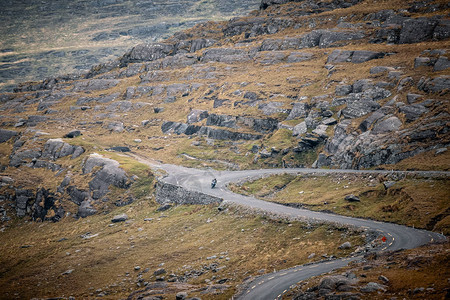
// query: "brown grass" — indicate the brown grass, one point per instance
point(179, 237)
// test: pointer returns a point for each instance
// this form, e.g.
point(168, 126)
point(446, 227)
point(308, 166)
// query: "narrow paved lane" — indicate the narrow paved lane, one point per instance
point(272, 286)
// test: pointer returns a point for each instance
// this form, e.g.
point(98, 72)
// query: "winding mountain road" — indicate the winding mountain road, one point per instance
point(273, 285)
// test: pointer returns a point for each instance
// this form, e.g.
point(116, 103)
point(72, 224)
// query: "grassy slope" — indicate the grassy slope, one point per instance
point(267, 244)
point(185, 235)
point(418, 202)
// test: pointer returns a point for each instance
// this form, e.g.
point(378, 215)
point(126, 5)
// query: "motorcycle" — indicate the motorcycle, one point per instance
point(213, 183)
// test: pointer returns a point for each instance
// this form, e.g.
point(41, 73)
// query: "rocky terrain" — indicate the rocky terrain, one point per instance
point(381, 276)
point(51, 38)
point(351, 84)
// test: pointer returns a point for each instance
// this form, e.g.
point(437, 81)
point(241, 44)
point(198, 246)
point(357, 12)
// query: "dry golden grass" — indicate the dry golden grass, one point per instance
point(179, 237)
point(183, 235)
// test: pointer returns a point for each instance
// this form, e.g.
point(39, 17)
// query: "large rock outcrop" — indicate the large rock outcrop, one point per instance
point(108, 173)
point(41, 205)
point(57, 148)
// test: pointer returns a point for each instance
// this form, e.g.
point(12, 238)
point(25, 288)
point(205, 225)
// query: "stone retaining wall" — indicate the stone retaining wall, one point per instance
point(169, 193)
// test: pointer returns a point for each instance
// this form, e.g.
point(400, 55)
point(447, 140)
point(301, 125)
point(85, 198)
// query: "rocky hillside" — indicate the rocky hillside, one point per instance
point(353, 84)
point(383, 276)
point(48, 38)
point(340, 84)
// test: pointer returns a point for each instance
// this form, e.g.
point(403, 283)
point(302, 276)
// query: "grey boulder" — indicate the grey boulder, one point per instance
point(119, 218)
point(73, 134)
point(56, 148)
point(109, 174)
point(85, 209)
point(300, 129)
point(352, 198)
point(389, 125)
point(5, 135)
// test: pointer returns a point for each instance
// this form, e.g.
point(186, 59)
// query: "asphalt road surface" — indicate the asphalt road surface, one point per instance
point(273, 285)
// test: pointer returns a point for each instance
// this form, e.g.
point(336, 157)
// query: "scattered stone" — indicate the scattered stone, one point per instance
point(56, 148)
point(88, 236)
point(329, 121)
point(384, 279)
point(389, 125)
point(120, 149)
point(119, 218)
point(5, 135)
point(115, 126)
point(299, 110)
point(295, 57)
point(422, 62)
point(388, 184)
point(356, 57)
point(346, 245)
point(418, 290)
point(85, 209)
point(413, 112)
point(380, 69)
point(321, 130)
point(159, 272)
point(404, 83)
point(300, 129)
point(343, 90)
point(373, 287)
point(435, 85)
point(413, 98)
point(363, 56)
point(352, 198)
point(440, 151)
point(73, 134)
point(312, 255)
point(417, 30)
point(147, 52)
point(94, 84)
point(331, 283)
point(68, 272)
point(109, 174)
point(164, 207)
point(441, 64)
point(181, 296)
point(196, 115)
point(222, 281)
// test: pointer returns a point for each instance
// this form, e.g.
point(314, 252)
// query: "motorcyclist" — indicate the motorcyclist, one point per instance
point(213, 183)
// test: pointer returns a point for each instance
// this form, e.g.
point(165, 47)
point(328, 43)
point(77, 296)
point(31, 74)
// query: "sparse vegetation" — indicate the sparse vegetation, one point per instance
point(179, 240)
point(283, 75)
point(419, 202)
